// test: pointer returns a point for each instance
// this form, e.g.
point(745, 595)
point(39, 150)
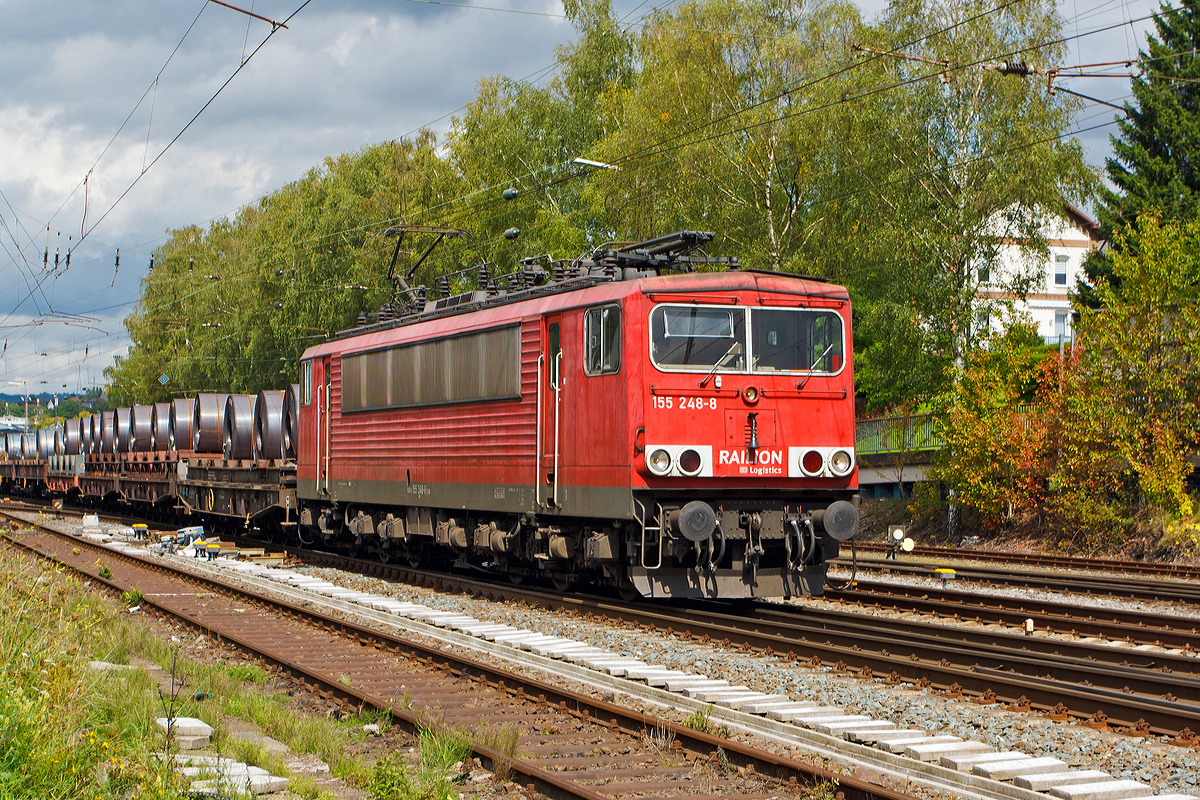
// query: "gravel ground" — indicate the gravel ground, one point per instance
point(1166, 768)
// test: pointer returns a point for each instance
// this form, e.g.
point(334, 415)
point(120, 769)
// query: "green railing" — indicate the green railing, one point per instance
point(884, 435)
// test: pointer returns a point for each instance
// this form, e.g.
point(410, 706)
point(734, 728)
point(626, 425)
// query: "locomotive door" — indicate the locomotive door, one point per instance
point(550, 386)
point(324, 394)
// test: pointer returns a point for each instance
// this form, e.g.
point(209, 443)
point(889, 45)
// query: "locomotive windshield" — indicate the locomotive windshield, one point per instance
point(690, 338)
point(787, 340)
point(699, 337)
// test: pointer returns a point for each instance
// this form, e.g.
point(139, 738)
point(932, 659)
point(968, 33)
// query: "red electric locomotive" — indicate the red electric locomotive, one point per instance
point(623, 420)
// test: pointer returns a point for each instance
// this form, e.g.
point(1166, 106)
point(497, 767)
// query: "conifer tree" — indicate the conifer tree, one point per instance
point(1157, 154)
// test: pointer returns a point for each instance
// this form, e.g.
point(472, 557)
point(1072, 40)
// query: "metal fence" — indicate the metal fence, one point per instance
point(896, 435)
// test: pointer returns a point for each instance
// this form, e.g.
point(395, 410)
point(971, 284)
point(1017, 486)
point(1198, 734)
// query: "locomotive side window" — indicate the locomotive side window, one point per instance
point(553, 352)
point(786, 340)
point(698, 337)
point(474, 368)
point(602, 340)
point(306, 383)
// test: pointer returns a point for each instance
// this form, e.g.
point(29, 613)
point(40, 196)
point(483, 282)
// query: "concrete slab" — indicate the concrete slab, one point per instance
point(1104, 790)
point(740, 703)
point(679, 684)
point(709, 694)
point(965, 763)
point(792, 714)
point(1007, 770)
point(623, 670)
point(868, 737)
point(771, 702)
point(185, 726)
point(844, 727)
point(1042, 782)
point(813, 721)
point(899, 746)
point(504, 637)
point(933, 751)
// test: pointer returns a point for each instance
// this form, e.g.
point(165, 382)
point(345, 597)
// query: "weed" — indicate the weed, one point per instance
point(247, 673)
point(723, 760)
point(133, 598)
point(503, 740)
point(105, 572)
point(660, 740)
point(825, 790)
point(344, 680)
point(303, 786)
point(699, 720)
point(74, 551)
point(392, 778)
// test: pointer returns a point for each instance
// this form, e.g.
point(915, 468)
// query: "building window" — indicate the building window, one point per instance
point(985, 274)
point(1060, 270)
point(602, 340)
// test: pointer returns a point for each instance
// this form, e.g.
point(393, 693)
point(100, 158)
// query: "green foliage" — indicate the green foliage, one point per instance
point(1154, 166)
point(105, 572)
point(757, 119)
point(132, 598)
point(393, 778)
point(60, 738)
point(1140, 382)
point(999, 427)
point(1098, 440)
point(699, 720)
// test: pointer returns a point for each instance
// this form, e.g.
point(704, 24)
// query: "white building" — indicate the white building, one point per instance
point(1048, 301)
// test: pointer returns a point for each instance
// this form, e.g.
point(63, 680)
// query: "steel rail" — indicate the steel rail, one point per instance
point(1187, 571)
point(786, 772)
point(870, 651)
point(1133, 588)
point(1118, 624)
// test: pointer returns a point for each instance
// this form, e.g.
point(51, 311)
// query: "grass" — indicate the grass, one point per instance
point(699, 720)
point(432, 777)
point(69, 731)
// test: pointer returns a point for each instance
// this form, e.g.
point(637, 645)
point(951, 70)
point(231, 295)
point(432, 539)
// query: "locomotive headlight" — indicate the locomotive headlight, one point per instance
point(750, 395)
point(659, 462)
point(689, 462)
point(840, 462)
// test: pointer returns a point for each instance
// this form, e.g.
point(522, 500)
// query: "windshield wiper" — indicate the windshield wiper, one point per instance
point(820, 358)
point(735, 349)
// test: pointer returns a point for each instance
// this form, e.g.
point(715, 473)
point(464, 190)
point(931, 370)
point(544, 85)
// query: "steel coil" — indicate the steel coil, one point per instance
point(45, 442)
point(238, 440)
point(14, 445)
point(108, 432)
point(268, 426)
point(6, 439)
point(59, 441)
point(29, 445)
point(291, 422)
point(123, 422)
point(208, 423)
point(142, 439)
point(180, 428)
point(73, 438)
point(160, 421)
point(93, 423)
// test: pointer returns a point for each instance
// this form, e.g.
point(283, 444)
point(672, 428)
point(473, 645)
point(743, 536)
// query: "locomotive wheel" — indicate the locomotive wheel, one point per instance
point(561, 583)
point(414, 557)
point(627, 591)
point(384, 555)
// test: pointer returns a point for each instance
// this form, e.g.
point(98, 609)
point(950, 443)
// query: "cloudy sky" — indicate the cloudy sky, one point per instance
point(85, 94)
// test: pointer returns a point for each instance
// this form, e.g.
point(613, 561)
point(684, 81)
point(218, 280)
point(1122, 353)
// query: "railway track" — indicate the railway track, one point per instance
point(1116, 624)
point(982, 668)
point(1155, 589)
point(1136, 690)
point(1076, 563)
point(570, 745)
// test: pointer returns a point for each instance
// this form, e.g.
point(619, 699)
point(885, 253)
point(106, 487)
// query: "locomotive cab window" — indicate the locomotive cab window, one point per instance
point(554, 353)
point(602, 340)
point(305, 383)
point(698, 337)
point(787, 340)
